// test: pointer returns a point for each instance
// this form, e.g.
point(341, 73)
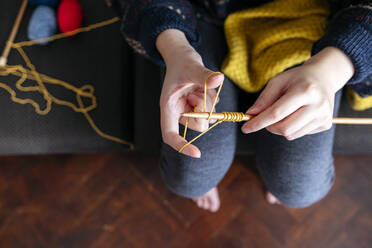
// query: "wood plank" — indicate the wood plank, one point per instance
point(119, 200)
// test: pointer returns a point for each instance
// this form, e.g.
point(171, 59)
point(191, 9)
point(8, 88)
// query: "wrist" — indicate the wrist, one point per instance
point(334, 65)
point(172, 44)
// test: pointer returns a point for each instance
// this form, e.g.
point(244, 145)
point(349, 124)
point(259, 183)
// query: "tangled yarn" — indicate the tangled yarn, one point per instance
point(69, 15)
point(43, 24)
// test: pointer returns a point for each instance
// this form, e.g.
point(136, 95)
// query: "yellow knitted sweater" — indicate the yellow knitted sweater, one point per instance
point(266, 40)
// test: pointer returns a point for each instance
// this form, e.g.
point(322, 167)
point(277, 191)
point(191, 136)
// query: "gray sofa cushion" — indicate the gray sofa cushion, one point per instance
point(100, 57)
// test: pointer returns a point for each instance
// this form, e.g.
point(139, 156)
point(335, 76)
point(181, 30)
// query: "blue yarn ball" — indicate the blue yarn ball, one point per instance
point(43, 24)
point(52, 3)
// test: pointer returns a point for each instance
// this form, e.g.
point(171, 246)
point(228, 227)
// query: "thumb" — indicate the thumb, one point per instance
point(203, 74)
point(170, 128)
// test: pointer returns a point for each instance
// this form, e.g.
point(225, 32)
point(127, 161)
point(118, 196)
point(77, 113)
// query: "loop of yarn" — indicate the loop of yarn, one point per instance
point(70, 15)
point(43, 24)
point(227, 115)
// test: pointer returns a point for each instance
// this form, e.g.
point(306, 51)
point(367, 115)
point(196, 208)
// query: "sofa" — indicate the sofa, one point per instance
point(127, 88)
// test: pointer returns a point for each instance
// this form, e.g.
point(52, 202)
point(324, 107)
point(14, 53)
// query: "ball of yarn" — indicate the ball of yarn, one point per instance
point(52, 3)
point(70, 15)
point(42, 24)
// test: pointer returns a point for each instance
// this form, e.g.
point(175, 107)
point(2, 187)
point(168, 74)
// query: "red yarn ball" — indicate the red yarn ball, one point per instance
point(70, 15)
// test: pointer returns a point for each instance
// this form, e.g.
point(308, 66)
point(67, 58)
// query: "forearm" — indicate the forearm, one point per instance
point(172, 44)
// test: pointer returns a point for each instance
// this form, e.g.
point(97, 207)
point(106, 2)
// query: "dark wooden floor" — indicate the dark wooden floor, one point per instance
point(119, 200)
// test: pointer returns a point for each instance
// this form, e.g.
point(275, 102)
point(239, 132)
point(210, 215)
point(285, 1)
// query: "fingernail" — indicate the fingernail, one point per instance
point(251, 109)
point(215, 74)
point(245, 130)
point(254, 108)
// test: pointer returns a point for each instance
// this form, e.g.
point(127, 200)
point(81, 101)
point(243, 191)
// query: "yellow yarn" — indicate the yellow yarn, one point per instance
point(266, 40)
point(86, 91)
point(357, 102)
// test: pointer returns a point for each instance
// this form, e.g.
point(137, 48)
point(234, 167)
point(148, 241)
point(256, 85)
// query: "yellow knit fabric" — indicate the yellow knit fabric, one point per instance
point(357, 102)
point(266, 40)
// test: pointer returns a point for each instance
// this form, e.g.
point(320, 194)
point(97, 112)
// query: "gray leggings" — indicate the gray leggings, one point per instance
point(298, 172)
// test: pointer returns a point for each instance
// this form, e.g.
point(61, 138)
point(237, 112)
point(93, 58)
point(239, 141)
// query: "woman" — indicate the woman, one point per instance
point(293, 114)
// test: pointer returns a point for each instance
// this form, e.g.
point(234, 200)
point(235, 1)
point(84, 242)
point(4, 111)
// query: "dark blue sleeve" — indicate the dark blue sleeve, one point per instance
point(144, 20)
point(350, 29)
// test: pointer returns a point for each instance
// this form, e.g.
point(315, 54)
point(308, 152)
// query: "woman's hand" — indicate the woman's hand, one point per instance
point(183, 88)
point(300, 101)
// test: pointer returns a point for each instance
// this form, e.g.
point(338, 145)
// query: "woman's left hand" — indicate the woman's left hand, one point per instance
point(300, 101)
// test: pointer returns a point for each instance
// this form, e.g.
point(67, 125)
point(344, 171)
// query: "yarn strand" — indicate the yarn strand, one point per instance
point(239, 117)
point(67, 34)
point(86, 91)
point(204, 110)
point(199, 135)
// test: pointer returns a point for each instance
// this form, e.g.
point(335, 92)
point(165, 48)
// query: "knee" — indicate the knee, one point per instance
point(188, 177)
point(300, 191)
point(301, 198)
point(184, 182)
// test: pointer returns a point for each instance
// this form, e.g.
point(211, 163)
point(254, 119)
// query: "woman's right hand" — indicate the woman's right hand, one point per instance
point(183, 89)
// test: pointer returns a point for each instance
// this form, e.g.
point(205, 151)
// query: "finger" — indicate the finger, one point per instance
point(292, 123)
point(283, 107)
point(211, 97)
point(214, 79)
point(170, 129)
point(268, 96)
point(205, 203)
point(307, 129)
point(214, 206)
point(212, 94)
point(196, 102)
point(323, 128)
point(200, 202)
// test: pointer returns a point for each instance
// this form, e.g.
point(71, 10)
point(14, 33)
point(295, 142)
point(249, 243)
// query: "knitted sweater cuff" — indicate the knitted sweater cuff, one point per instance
point(351, 31)
point(157, 19)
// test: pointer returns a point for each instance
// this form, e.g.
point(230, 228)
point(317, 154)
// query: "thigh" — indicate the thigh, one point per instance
point(298, 172)
point(192, 177)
